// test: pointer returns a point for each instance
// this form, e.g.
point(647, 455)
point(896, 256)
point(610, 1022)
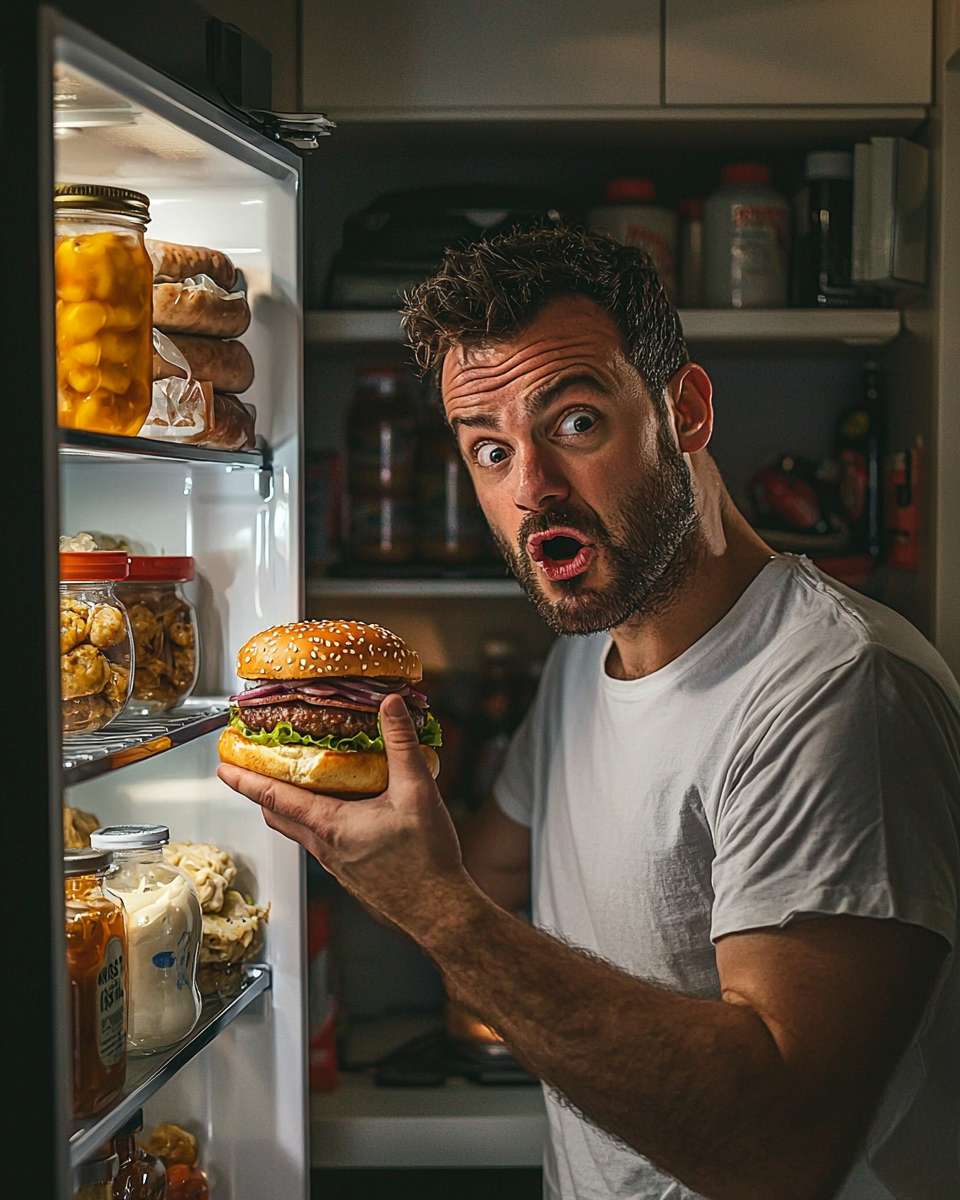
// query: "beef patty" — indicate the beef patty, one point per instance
point(317, 720)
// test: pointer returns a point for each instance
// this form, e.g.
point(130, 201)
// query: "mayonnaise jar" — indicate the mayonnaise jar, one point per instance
point(164, 926)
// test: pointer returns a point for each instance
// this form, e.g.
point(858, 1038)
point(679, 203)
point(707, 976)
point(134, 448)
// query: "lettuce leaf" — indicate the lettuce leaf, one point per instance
point(283, 734)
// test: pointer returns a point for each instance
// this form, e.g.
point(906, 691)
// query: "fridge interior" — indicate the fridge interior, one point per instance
point(210, 182)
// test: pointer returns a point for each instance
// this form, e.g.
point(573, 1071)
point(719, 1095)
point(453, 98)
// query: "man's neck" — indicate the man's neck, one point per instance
point(728, 558)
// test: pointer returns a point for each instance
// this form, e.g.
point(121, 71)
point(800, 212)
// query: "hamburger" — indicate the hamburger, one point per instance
point(310, 711)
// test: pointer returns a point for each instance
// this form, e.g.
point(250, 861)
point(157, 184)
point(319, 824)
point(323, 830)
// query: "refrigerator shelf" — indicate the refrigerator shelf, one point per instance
point(147, 1075)
point(130, 739)
point(462, 589)
point(79, 442)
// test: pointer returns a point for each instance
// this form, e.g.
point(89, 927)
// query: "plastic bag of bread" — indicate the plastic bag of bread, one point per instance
point(199, 305)
point(173, 263)
point(226, 364)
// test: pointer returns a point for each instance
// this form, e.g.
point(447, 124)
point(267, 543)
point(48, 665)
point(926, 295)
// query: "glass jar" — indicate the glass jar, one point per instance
point(164, 928)
point(164, 626)
point(95, 639)
point(96, 968)
point(94, 1180)
point(450, 522)
point(104, 282)
point(140, 1176)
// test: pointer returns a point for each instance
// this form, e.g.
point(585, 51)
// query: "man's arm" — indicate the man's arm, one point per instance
point(496, 854)
point(762, 1095)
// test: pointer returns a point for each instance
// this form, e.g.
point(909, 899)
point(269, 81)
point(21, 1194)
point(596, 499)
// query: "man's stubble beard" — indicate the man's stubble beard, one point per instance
point(650, 547)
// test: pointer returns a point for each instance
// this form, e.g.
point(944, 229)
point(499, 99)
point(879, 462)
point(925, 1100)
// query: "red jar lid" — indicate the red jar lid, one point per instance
point(160, 568)
point(745, 173)
point(620, 190)
point(90, 566)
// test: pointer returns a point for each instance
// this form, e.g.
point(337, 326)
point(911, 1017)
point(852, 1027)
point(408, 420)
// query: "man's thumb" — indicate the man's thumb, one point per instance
point(400, 740)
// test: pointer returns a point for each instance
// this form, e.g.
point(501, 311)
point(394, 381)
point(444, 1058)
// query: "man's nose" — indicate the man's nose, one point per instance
point(539, 481)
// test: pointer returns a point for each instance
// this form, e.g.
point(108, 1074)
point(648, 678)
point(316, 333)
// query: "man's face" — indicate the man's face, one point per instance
point(587, 493)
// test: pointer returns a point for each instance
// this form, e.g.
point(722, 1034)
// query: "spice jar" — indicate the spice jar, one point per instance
point(164, 627)
point(93, 1180)
point(104, 282)
point(95, 649)
point(164, 928)
point(96, 968)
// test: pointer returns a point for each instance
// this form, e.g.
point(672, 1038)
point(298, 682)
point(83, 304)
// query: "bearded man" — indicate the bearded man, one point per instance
point(734, 803)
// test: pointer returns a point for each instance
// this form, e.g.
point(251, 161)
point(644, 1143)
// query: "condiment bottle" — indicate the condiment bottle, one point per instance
point(381, 442)
point(745, 235)
point(164, 928)
point(449, 520)
point(861, 448)
point(104, 282)
point(497, 715)
point(96, 968)
point(632, 216)
point(690, 254)
point(93, 1180)
point(140, 1176)
point(823, 245)
point(164, 627)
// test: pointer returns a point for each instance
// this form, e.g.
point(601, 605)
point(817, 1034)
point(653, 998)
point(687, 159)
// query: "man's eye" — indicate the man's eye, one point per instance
point(490, 455)
point(578, 422)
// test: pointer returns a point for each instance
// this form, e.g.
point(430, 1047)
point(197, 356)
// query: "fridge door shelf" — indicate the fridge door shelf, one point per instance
point(131, 739)
point(147, 1075)
point(80, 442)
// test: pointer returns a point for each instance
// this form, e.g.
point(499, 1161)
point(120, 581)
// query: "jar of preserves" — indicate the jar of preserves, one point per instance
point(104, 283)
point(96, 968)
point(164, 928)
point(140, 1176)
point(95, 639)
point(164, 627)
point(450, 522)
point(93, 1180)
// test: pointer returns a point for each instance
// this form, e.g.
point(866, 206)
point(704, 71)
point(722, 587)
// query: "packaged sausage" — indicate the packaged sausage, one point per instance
point(199, 305)
point(173, 263)
point(188, 410)
point(226, 364)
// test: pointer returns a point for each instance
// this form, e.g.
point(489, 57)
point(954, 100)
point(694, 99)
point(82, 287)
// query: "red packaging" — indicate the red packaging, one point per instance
point(903, 509)
point(322, 1001)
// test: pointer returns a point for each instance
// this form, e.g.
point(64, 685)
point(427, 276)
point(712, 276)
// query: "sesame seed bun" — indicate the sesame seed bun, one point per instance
point(324, 649)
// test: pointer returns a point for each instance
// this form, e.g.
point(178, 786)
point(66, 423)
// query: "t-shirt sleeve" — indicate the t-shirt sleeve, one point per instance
point(842, 798)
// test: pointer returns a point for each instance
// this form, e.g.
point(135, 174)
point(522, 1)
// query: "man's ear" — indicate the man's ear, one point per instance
point(690, 396)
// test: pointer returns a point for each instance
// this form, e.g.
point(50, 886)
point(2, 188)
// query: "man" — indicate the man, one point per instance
point(740, 803)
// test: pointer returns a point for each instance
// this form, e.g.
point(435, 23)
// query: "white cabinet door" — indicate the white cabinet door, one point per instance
point(422, 55)
point(799, 51)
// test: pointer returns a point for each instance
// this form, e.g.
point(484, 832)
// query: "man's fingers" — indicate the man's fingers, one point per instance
point(315, 811)
point(400, 742)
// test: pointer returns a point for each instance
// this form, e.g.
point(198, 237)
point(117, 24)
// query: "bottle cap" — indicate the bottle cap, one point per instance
point(85, 860)
point(745, 173)
point(620, 191)
point(129, 837)
point(828, 164)
point(93, 566)
point(160, 568)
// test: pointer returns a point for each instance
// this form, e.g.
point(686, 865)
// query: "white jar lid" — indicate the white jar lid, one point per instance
point(129, 837)
point(829, 164)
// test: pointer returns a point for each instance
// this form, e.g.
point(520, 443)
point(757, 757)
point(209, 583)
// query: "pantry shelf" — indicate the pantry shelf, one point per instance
point(797, 326)
point(461, 589)
point(81, 443)
point(130, 739)
point(147, 1075)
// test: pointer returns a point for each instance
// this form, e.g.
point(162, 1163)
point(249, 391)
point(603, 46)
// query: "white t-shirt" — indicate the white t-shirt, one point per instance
point(803, 757)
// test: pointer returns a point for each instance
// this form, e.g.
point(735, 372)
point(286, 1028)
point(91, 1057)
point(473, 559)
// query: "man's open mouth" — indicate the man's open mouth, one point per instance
point(560, 552)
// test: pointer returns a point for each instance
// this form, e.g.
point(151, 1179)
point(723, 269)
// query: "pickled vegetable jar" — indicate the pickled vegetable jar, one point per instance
point(104, 281)
point(164, 625)
point(96, 967)
point(95, 641)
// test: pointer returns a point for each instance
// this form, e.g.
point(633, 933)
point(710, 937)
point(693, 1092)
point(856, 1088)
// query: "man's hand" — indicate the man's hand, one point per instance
point(397, 852)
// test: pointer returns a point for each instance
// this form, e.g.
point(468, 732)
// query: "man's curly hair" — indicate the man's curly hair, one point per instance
point(493, 289)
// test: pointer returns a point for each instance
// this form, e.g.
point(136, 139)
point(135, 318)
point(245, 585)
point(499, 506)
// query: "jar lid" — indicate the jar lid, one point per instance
point(619, 190)
point(745, 173)
point(160, 568)
point(89, 566)
point(130, 837)
point(101, 198)
point(98, 1170)
point(86, 860)
point(828, 164)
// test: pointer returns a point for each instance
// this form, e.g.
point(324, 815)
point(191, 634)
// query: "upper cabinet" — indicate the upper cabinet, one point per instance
point(774, 52)
point(427, 56)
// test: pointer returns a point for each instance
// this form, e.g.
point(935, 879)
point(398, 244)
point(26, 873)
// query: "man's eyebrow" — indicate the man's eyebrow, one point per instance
point(481, 421)
point(541, 399)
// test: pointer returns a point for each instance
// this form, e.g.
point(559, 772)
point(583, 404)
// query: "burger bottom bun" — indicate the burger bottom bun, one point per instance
point(351, 774)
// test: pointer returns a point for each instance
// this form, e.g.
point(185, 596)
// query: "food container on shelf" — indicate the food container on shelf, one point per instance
point(95, 642)
point(163, 622)
point(746, 225)
point(632, 216)
point(96, 969)
point(104, 284)
point(164, 927)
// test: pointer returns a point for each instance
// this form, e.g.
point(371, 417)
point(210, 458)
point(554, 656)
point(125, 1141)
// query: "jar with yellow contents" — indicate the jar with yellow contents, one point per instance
point(104, 282)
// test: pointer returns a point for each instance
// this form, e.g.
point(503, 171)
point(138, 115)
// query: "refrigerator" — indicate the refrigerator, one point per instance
point(75, 107)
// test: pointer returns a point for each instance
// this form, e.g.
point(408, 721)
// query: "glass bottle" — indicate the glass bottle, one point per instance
point(861, 446)
point(165, 634)
point(497, 706)
point(140, 1176)
point(93, 1180)
point(823, 218)
point(449, 520)
point(96, 969)
point(164, 928)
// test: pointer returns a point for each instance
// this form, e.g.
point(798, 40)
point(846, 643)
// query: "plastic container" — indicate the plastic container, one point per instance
point(95, 639)
point(631, 216)
point(690, 254)
point(745, 241)
point(163, 622)
point(96, 968)
point(823, 241)
point(104, 283)
point(164, 928)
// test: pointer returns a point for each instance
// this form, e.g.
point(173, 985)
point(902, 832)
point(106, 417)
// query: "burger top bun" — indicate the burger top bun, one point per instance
point(322, 649)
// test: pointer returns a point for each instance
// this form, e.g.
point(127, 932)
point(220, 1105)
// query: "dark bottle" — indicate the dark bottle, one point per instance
point(450, 524)
point(861, 445)
point(140, 1176)
point(498, 706)
point(823, 246)
point(381, 445)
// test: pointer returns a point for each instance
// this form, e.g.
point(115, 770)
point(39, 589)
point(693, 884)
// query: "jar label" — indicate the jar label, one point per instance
point(111, 1031)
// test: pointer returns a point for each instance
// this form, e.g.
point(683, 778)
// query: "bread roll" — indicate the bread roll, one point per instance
point(227, 365)
point(172, 263)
